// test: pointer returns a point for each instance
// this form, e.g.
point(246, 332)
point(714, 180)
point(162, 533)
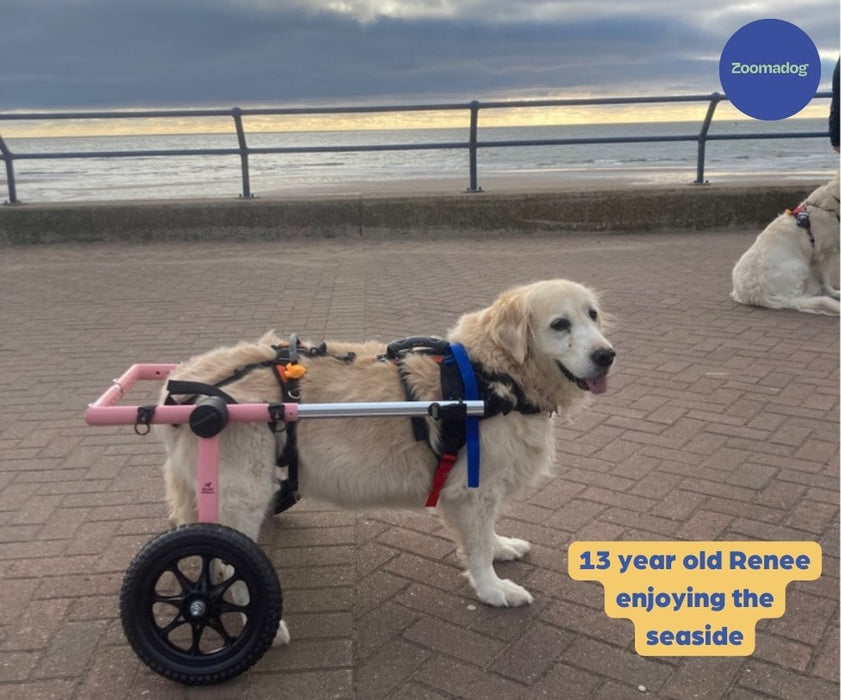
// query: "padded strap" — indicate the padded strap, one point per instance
point(184, 388)
point(471, 393)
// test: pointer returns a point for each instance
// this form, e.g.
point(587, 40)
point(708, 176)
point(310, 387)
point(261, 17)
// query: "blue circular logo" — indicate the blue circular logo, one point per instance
point(770, 69)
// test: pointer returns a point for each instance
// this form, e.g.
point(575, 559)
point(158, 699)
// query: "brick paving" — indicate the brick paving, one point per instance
point(721, 422)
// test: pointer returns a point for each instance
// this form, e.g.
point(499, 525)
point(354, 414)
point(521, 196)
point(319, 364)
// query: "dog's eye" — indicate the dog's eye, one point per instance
point(594, 314)
point(560, 324)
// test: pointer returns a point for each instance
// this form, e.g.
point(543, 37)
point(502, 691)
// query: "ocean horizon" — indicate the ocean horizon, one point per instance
point(201, 176)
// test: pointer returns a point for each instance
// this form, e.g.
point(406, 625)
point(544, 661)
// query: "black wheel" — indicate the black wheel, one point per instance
point(200, 604)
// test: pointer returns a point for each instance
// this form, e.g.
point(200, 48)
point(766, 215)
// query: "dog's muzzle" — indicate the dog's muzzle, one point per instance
point(597, 384)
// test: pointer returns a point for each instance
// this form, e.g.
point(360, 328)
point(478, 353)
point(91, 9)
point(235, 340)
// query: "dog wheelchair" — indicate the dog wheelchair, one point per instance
point(202, 603)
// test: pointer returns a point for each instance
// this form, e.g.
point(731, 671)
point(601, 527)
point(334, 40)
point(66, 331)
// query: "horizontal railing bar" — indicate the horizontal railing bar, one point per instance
point(128, 154)
point(266, 111)
point(579, 101)
point(148, 114)
point(795, 135)
point(408, 147)
point(366, 109)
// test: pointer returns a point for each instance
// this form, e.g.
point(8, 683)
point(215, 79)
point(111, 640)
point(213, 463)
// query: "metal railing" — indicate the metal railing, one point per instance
point(472, 145)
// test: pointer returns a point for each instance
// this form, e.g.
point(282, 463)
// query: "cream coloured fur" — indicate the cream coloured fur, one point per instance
point(528, 332)
point(782, 270)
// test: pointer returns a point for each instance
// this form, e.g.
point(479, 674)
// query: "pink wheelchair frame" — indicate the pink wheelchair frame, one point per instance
point(200, 605)
point(106, 411)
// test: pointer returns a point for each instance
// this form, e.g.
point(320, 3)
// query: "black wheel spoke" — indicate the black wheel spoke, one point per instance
point(219, 590)
point(164, 631)
point(186, 584)
point(173, 600)
point(218, 626)
point(205, 577)
point(223, 606)
point(198, 631)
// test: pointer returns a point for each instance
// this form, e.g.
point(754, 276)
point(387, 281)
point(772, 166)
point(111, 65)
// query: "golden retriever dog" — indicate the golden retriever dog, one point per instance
point(546, 337)
point(789, 265)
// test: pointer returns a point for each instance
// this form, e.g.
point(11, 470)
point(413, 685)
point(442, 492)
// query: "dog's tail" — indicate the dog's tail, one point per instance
point(808, 304)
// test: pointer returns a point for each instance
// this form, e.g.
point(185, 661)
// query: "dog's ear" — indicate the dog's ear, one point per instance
point(508, 325)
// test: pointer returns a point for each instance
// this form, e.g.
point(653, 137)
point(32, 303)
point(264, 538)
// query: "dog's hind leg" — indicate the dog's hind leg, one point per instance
point(471, 518)
point(249, 524)
point(181, 498)
point(243, 505)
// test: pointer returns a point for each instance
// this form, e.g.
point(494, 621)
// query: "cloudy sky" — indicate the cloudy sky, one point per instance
point(70, 54)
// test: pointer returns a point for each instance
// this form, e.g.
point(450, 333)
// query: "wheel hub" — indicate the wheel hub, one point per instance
point(197, 608)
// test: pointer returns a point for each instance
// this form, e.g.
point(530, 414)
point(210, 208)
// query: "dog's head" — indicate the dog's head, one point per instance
point(827, 197)
point(550, 334)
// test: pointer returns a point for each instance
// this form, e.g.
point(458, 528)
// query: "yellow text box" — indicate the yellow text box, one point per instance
point(694, 598)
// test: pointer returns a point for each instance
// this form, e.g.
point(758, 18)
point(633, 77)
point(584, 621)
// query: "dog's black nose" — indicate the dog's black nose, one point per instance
point(603, 357)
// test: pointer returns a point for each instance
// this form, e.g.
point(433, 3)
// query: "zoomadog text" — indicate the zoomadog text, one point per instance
point(801, 70)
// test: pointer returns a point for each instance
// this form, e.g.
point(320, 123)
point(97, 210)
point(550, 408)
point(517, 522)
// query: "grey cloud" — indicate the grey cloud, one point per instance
point(101, 53)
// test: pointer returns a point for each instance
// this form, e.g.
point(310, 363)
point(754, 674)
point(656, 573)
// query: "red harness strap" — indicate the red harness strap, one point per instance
point(445, 464)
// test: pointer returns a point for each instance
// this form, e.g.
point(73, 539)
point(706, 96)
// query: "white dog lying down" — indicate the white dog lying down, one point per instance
point(545, 336)
point(789, 264)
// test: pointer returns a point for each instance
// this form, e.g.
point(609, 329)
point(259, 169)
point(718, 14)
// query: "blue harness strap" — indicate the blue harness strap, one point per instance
point(471, 423)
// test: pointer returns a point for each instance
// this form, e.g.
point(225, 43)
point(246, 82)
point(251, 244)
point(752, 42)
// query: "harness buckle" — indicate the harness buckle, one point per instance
point(145, 414)
point(451, 412)
point(277, 417)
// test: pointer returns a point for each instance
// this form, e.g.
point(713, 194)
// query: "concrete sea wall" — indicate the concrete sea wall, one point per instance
point(689, 207)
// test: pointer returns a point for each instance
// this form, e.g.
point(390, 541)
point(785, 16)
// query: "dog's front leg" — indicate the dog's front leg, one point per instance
point(472, 520)
point(826, 284)
point(820, 274)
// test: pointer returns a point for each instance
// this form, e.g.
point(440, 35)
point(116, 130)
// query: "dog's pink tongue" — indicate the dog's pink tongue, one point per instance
point(598, 385)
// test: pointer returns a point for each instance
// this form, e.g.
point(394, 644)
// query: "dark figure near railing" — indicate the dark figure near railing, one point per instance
point(833, 108)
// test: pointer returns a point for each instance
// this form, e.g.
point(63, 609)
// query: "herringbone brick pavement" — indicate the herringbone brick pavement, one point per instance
point(721, 422)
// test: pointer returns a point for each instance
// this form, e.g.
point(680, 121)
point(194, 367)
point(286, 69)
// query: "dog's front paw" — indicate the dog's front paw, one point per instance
point(282, 637)
point(506, 594)
point(510, 548)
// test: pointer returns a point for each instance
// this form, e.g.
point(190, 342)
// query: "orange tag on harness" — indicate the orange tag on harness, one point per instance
point(294, 371)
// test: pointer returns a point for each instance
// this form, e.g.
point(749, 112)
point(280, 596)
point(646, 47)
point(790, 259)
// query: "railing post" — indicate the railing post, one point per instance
point(9, 158)
point(715, 98)
point(236, 112)
point(474, 127)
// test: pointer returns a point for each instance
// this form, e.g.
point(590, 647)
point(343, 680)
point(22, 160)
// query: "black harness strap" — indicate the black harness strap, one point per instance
point(179, 387)
point(420, 430)
point(395, 352)
point(801, 217)
point(287, 495)
point(452, 433)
